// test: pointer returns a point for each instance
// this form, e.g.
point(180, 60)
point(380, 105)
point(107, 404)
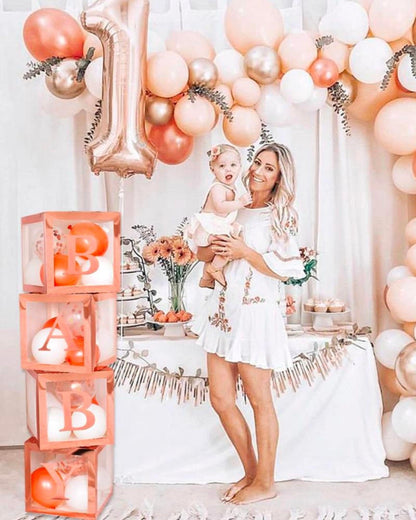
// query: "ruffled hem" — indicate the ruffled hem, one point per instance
point(292, 268)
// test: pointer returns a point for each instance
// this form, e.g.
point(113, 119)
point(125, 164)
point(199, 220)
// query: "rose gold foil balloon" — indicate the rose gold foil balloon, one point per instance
point(63, 81)
point(159, 111)
point(324, 72)
point(262, 64)
point(120, 144)
point(51, 32)
point(405, 368)
point(203, 71)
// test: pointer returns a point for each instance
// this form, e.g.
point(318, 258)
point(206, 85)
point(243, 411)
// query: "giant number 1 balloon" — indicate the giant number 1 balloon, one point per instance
point(120, 144)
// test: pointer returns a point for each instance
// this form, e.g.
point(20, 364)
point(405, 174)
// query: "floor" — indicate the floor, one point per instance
point(166, 502)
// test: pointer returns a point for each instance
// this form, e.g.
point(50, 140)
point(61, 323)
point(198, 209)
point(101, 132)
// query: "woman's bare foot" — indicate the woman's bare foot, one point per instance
point(254, 492)
point(235, 488)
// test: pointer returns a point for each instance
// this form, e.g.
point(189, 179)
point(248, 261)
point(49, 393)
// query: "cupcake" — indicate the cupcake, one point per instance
point(131, 319)
point(321, 306)
point(124, 318)
point(336, 305)
point(309, 305)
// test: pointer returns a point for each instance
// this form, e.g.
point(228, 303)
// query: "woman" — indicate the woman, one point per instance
point(242, 328)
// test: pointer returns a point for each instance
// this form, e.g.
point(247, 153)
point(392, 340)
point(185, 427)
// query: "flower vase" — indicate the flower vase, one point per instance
point(176, 296)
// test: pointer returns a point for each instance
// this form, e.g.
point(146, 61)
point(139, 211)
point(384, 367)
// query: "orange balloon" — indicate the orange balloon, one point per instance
point(61, 275)
point(75, 357)
point(324, 72)
point(389, 380)
point(89, 236)
point(44, 489)
point(51, 32)
point(50, 323)
point(172, 145)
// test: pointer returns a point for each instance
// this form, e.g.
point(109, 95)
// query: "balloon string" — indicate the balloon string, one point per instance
point(121, 210)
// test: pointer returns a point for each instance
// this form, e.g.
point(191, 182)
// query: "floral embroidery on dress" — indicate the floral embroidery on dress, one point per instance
point(219, 319)
point(248, 300)
point(291, 227)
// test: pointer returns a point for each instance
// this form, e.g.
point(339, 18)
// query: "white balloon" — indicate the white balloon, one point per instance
point(76, 493)
point(403, 177)
point(107, 343)
point(348, 23)
point(104, 275)
point(368, 60)
point(58, 107)
point(388, 345)
point(404, 73)
point(57, 347)
point(56, 421)
point(230, 65)
point(94, 77)
point(398, 272)
point(31, 272)
point(95, 431)
point(273, 108)
point(403, 419)
point(316, 101)
point(296, 86)
point(396, 448)
point(154, 43)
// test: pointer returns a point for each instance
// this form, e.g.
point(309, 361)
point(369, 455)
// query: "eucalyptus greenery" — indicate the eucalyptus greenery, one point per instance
point(212, 95)
point(96, 121)
point(266, 137)
point(37, 67)
point(340, 100)
point(323, 40)
point(394, 60)
point(83, 63)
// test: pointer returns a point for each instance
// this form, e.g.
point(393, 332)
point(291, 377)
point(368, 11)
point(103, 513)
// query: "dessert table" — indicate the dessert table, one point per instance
point(330, 430)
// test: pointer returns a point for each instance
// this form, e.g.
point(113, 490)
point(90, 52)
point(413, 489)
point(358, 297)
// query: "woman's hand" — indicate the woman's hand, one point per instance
point(232, 248)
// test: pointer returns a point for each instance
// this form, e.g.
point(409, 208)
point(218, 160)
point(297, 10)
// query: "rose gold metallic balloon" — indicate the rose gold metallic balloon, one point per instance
point(350, 87)
point(262, 64)
point(203, 71)
point(159, 111)
point(63, 80)
point(388, 379)
point(324, 72)
point(405, 368)
point(120, 144)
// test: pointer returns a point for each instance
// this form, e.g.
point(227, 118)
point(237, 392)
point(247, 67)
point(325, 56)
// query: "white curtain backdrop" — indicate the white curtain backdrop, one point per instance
point(349, 209)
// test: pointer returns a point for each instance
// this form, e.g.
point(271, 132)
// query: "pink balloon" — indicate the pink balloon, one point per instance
point(403, 177)
point(411, 259)
point(297, 51)
point(390, 19)
point(245, 127)
point(194, 118)
point(249, 23)
point(324, 72)
point(190, 45)
point(167, 74)
point(395, 127)
point(225, 91)
point(401, 299)
point(337, 52)
point(410, 231)
point(246, 92)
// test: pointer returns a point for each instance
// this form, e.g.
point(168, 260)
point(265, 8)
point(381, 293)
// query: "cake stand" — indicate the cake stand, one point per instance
point(324, 320)
point(172, 330)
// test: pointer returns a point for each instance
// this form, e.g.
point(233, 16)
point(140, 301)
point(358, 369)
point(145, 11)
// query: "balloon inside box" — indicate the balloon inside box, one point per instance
point(67, 410)
point(67, 333)
point(71, 252)
point(71, 482)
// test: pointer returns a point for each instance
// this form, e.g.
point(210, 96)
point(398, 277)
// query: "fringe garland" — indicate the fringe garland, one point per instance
point(306, 367)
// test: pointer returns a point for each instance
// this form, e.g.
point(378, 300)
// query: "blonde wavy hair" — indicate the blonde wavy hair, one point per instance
point(284, 215)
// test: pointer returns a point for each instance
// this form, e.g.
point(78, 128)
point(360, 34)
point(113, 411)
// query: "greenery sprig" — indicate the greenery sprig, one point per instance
point(310, 272)
point(96, 121)
point(394, 60)
point(196, 89)
point(323, 40)
point(37, 67)
point(340, 100)
point(83, 63)
point(266, 137)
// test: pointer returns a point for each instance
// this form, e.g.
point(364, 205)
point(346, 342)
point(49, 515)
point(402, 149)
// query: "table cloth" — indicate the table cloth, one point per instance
point(330, 431)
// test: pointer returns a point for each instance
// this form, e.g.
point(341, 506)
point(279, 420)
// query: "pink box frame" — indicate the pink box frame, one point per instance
point(88, 301)
point(47, 218)
point(41, 408)
point(32, 507)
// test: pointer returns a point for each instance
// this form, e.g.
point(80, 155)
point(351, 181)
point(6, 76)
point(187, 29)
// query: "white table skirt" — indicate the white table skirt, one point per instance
point(328, 432)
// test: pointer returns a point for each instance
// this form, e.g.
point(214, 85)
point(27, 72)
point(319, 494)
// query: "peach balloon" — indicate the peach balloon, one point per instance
point(190, 45)
point(225, 91)
point(93, 41)
point(390, 19)
point(245, 127)
point(410, 231)
point(389, 380)
point(337, 52)
point(167, 74)
point(364, 3)
point(196, 117)
point(409, 328)
point(324, 72)
point(401, 299)
point(394, 126)
point(246, 92)
point(51, 32)
point(249, 23)
point(297, 51)
point(411, 259)
point(402, 174)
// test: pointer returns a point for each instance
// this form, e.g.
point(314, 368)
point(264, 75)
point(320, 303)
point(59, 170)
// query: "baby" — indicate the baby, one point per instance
point(218, 214)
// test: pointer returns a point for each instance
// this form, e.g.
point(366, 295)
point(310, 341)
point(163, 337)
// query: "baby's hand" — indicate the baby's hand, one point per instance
point(245, 199)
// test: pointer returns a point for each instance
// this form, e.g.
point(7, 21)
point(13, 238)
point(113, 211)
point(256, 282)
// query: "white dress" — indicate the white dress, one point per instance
point(243, 323)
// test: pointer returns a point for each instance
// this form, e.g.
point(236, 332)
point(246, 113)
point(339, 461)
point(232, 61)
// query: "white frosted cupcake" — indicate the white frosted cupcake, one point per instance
point(336, 306)
point(309, 304)
point(321, 306)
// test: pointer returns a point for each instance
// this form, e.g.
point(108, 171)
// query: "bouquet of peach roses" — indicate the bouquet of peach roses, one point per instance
point(174, 257)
